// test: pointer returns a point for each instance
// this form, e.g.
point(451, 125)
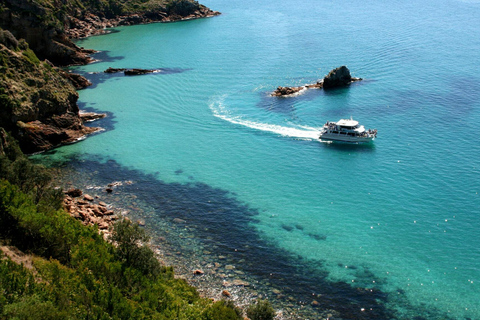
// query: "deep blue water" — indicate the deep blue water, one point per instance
point(400, 217)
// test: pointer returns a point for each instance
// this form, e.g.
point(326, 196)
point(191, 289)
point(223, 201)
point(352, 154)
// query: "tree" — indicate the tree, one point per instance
point(261, 310)
point(132, 249)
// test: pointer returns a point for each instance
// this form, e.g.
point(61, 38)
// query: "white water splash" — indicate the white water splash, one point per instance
point(300, 132)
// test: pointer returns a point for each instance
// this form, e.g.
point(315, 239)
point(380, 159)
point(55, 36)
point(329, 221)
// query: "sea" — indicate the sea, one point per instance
point(387, 230)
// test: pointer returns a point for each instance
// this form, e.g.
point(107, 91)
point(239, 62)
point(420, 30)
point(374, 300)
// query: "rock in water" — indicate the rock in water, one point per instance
point(338, 77)
point(285, 91)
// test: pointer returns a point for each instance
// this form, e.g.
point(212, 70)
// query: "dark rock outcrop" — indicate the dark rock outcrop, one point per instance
point(74, 192)
point(339, 77)
point(187, 9)
point(78, 81)
point(136, 72)
point(114, 70)
point(131, 72)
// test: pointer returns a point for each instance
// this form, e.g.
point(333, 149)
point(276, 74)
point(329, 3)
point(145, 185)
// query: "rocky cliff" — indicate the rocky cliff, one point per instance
point(38, 102)
point(38, 106)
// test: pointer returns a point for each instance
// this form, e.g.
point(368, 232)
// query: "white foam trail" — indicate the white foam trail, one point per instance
point(302, 132)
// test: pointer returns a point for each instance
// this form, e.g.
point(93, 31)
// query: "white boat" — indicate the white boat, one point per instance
point(347, 130)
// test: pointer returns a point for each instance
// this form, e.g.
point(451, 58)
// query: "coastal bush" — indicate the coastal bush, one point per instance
point(132, 249)
point(31, 57)
point(222, 310)
point(15, 280)
point(261, 310)
point(32, 179)
point(44, 233)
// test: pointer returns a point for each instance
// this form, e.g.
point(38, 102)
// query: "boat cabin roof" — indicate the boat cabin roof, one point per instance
point(347, 122)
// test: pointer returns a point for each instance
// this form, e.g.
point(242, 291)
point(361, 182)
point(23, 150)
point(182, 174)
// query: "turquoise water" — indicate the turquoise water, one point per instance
point(400, 216)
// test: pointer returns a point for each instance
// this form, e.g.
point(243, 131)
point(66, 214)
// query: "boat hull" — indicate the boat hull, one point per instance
point(345, 138)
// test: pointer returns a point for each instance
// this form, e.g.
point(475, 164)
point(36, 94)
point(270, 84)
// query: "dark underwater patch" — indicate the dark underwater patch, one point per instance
point(223, 224)
point(287, 227)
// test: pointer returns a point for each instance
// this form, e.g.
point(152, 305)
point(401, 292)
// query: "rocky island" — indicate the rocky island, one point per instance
point(339, 77)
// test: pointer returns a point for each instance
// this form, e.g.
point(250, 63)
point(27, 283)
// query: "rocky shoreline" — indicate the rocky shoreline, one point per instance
point(89, 210)
point(91, 24)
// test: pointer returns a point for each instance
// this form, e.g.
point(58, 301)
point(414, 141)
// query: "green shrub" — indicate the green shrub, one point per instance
point(30, 55)
point(132, 247)
point(222, 310)
point(261, 310)
point(32, 307)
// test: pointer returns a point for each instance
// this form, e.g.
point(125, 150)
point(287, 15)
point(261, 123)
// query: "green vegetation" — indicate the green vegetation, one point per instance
point(31, 57)
point(76, 274)
point(262, 310)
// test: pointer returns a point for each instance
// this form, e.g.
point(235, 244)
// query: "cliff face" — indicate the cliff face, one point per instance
point(37, 104)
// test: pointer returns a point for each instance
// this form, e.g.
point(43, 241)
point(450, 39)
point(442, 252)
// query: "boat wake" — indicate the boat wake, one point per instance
point(296, 131)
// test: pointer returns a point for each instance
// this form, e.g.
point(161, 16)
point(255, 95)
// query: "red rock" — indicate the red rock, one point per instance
point(103, 225)
point(225, 293)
